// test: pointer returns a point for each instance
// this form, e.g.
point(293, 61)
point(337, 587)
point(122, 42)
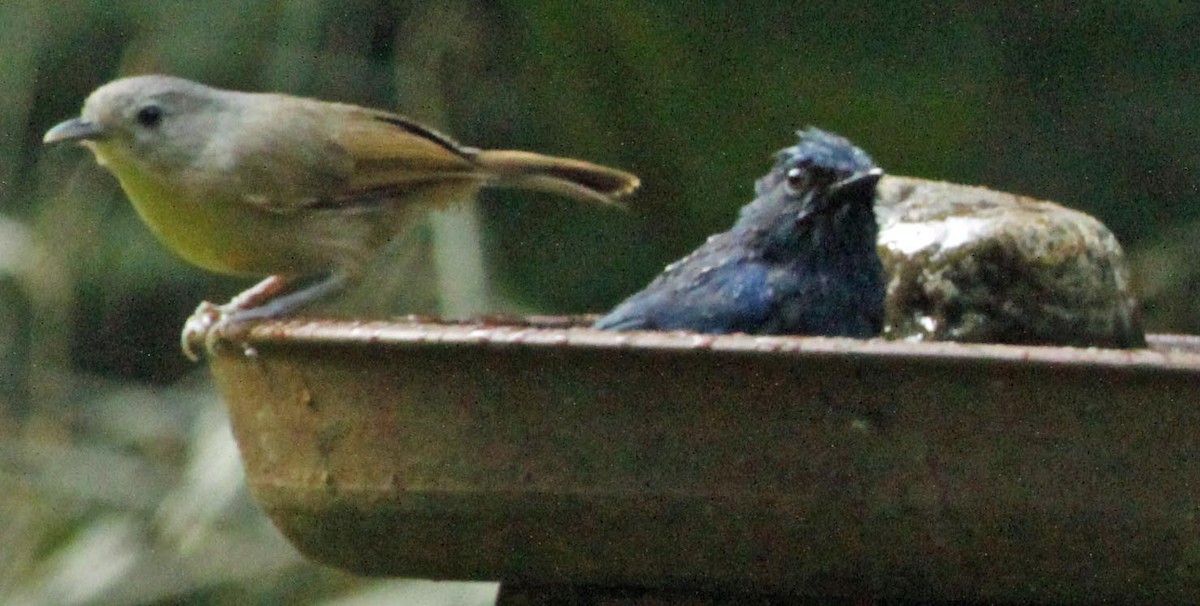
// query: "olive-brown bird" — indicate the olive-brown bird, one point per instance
point(305, 192)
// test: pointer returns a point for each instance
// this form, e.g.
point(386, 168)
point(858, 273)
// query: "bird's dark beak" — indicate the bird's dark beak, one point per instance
point(856, 184)
point(861, 185)
point(75, 129)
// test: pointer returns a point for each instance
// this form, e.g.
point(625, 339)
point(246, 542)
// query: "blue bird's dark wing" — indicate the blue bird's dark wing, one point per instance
point(719, 290)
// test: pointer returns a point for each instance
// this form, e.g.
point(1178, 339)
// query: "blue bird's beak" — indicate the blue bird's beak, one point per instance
point(858, 184)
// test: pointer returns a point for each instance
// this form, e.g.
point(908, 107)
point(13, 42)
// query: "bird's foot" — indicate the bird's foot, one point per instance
point(268, 299)
point(206, 324)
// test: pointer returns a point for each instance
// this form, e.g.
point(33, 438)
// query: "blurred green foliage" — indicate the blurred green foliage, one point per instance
point(1091, 105)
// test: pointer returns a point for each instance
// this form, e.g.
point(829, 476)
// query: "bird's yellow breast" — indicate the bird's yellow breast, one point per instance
point(207, 229)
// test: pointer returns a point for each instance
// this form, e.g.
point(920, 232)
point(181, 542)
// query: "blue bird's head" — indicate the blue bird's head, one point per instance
point(822, 167)
point(824, 184)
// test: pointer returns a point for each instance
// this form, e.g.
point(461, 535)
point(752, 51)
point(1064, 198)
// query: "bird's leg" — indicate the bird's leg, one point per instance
point(252, 297)
point(267, 299)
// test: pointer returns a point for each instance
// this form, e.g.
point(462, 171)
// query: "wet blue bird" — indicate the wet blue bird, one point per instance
point(801, 258)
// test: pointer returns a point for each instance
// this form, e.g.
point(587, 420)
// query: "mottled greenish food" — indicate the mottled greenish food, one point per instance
point(975, 265)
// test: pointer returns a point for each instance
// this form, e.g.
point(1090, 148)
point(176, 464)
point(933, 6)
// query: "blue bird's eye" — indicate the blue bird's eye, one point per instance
point(149, 116)
point(797, 179)
point(807, 176)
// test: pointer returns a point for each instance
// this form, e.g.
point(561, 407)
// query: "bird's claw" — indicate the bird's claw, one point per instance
point(205, 325)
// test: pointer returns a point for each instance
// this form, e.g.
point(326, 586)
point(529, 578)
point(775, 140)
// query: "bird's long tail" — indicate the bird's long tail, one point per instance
point(576, 179)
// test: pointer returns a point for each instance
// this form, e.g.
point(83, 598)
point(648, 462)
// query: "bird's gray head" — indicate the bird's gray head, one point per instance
point(162, 122)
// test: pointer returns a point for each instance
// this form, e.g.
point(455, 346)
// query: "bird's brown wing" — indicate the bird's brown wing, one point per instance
point(343, 156)
point(391, 154)
point(331, 155)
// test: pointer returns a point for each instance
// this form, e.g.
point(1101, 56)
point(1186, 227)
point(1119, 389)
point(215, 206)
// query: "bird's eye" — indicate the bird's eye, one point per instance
point(807, 176)
point(149, 116)
point(797, 179)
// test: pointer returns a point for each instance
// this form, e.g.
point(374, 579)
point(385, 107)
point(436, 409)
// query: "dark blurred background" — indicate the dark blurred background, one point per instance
point(111, 442)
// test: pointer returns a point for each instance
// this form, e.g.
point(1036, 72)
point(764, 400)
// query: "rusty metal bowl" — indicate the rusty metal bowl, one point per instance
point(546, 454)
